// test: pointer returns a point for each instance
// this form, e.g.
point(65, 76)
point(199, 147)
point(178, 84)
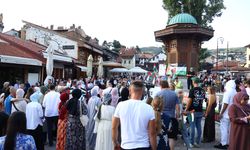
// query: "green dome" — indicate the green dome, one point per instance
point(182, 18)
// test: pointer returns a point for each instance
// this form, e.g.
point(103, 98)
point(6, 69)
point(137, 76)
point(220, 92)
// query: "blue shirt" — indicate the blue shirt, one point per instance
point(170, 100)
point(7, 105)
point(23, 142)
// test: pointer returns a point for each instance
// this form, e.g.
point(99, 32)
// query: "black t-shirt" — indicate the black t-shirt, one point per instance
point(197, 94)
point(191, 73)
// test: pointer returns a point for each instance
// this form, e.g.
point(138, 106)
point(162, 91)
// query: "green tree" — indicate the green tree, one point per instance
point(204, 11)
point(117, 46)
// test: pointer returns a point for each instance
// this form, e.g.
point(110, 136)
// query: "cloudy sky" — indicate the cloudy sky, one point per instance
point(132, 22)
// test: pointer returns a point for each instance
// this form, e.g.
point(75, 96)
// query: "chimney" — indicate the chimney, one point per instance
point(51, 27)
point(79, 27)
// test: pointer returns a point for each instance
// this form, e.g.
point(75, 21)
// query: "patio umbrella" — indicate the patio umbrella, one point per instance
point(119, 70)
point(49, 64)
point(100, 68)
point(89, 66)
point(137, 70)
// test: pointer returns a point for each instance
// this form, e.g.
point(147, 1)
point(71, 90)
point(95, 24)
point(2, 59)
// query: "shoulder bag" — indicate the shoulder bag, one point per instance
point(83, 118)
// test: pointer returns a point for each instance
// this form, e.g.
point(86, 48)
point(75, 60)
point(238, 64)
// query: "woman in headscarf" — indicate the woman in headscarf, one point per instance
point(103, 125)
point(34, 115)
point(19, 103)
point(239, 114)
point(62, 120)
point(93, 105)
point(75, 131)
point(115, 97)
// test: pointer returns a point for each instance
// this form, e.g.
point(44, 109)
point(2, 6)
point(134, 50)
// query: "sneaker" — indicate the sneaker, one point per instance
point(220, 146)
point(196, 145)
point(191, 146)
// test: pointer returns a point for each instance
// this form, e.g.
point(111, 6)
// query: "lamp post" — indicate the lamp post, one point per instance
point(217, 57)
point(227, 57)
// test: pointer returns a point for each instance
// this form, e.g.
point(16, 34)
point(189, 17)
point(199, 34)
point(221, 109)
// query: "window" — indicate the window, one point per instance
point(129, 62)
point(124, 61)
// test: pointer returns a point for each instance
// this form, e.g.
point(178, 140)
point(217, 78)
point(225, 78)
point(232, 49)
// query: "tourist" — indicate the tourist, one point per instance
point(178, 84)
point(104, 124)
point(75, 131)
point(196, 97)
point(115, 96)
point(209, 126)
point(7, 101)
point(29, 92)
point(230, 92)
point(68, 84)
point(19, 103)
point(190, 75)
point(62, 121)
point(124, 94)
point(15, 137)
point(6, 89)
point(108, 88)
point(34, 115)
point(183, 124)
point(50, 103)
point(3, 123)
point(171, 109)
point(137, 121)
point(37, 90)
point(161, 122)
point(239, 113)
point(93, 105)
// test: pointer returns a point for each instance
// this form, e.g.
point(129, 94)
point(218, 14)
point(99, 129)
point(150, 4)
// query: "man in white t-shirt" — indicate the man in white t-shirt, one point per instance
point(230, 92)
point(137, 122)
point(50, 103)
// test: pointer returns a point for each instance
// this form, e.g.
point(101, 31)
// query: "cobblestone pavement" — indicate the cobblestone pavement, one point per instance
point(179, 144)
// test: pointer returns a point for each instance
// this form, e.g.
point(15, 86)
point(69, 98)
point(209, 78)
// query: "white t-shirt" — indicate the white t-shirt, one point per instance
point(228, 97)
point(34, 114)
point(134, 117)
point(50, 102)
point(20, 105)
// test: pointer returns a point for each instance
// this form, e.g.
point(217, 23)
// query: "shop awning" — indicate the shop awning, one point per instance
point(20, 60)
point(110, 64)
point(83, 68)
point(119, 70)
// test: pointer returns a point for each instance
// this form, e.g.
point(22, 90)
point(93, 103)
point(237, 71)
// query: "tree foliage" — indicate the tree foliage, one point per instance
point(204, 11)
point(203, 54)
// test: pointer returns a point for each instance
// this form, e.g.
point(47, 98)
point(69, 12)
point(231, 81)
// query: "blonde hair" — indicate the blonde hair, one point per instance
point(157, 105)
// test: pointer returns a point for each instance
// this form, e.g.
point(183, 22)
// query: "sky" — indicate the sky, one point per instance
point(132, 22)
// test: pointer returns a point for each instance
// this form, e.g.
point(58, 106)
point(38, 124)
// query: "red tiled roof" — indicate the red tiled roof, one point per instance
point(145, 55)
point(127, 52)
point(20, 48)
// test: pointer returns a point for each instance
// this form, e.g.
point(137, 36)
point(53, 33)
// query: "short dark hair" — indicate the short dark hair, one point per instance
point(52, 87)
point(164, 84)
point(137, 84)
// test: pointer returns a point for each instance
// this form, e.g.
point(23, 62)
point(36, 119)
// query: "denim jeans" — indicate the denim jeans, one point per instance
point(196, 124)
point(185, 135)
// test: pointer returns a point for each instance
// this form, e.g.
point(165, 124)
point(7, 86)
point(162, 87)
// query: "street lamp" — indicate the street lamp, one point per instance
point(221, 39)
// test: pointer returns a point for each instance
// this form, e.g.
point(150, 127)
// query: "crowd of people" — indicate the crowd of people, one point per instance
point(119, 113)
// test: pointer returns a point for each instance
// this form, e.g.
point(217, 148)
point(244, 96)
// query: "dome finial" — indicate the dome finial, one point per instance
point(182, 6)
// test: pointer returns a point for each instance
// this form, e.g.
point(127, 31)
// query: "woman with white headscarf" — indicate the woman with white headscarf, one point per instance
point(34, 115)
point(93, 104)
point(19, 103)
point(115, 96)
point(103, 125)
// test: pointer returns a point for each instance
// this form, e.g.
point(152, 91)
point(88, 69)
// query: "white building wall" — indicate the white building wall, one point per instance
point(248, 58)
point(128, 63)
point(39, 36)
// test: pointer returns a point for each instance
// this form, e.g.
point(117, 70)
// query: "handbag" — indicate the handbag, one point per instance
point(83, 118)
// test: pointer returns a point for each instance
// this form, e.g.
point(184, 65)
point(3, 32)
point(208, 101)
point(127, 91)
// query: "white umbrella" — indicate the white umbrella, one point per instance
point(49, 64)
point(89, 66)
point(100, 68)
point(137, 70)
point(119, 70)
